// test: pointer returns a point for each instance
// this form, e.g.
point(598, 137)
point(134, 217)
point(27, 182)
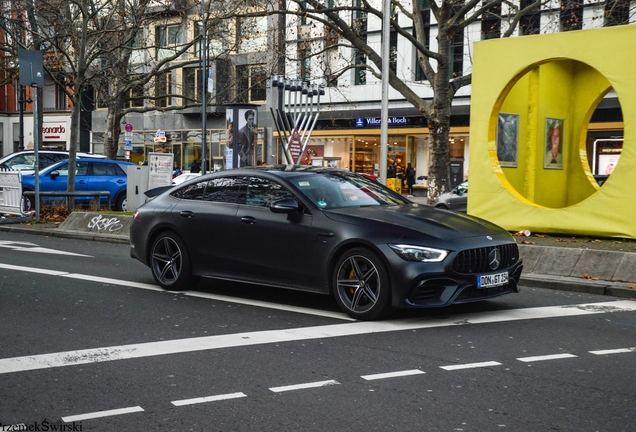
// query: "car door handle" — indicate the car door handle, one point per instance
point(248, 220)
point(326, 234)
point(186, 214)
point(121, 181)
point(82, 182)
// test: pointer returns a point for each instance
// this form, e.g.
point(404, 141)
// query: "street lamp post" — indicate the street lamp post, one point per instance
point(204, 67)
point(21, 103)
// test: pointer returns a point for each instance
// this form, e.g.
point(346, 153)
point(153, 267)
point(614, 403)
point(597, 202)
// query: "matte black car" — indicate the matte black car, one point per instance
point(322, 230)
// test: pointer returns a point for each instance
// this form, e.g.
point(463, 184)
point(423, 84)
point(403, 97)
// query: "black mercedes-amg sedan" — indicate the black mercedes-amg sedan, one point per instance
point(323, 230)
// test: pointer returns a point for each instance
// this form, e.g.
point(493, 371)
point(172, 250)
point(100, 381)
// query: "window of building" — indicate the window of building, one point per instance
point(571, 15)
point(360, 71)
point(457, 53)
point(60, 98)
point(304, 58)
point(137, 96)
point(251, 34)
point(303, 12)
point(425, 13)
point(166, 39)
point(168, 36)
point(531, 22)
point(163, 88)
point(191, 86)
point(616, 12)
point(252, 83)
point(491, 23)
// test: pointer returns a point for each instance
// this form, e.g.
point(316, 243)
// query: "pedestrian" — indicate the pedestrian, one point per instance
point(390, 172)
point(195, 167)
point(410, 180)
point(177, 171)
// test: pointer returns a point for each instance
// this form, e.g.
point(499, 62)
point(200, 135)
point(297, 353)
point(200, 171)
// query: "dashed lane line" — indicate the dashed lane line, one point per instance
point(392, 374)
point(304, 386)
point(149, 349)
point(99, 414)
point(546, 357)
point(614, 351)
point(205, 399)
point(471, 365)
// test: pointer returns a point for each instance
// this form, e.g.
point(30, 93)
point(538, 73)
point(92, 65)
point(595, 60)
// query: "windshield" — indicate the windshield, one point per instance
point(21, 162)
point(336, 190)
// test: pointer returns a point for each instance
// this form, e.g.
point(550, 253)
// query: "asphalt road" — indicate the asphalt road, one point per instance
point(88, 342)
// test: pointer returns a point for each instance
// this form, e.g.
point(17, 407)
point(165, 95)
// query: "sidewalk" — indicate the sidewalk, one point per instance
point(569, 267)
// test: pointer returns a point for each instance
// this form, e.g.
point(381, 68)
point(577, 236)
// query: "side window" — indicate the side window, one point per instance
point(81, 168)
point(191, 192)
point(103, 169)
point(62, 169)
point(45, 160)
point(223, 189)
point(263, 192)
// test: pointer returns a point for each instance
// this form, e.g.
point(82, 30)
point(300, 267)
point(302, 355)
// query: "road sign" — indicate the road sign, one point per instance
point(128, 145)
point(128, 127)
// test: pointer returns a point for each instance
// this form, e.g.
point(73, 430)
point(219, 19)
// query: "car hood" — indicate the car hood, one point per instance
point(421, 221)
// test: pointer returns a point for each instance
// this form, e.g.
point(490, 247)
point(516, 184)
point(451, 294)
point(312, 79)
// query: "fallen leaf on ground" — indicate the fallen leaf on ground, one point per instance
point(587, 276)
point(541, 235)
point(527, 242)
point(632, 286)
point(559, 240)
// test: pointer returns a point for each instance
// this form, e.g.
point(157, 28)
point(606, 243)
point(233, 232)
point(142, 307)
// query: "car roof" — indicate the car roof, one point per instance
point(283, 170)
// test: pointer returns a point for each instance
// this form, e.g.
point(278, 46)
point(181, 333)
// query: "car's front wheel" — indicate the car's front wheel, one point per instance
point(361, 285)
point(121, 202)
point(170, 263)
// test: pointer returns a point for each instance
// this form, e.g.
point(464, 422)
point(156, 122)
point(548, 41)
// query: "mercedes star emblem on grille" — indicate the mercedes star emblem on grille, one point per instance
point(494, 259)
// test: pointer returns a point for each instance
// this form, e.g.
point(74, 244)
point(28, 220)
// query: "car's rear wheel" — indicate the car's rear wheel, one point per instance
point(170, 263)
point(361, 285)
point(27, 203)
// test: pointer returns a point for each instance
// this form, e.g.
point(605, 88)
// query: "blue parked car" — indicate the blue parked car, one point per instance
point(90, 175)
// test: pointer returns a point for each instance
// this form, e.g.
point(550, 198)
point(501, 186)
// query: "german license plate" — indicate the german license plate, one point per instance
point(492, 280)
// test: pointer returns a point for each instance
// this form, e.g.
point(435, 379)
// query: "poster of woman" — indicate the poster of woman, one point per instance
point(553, 143)
point(507, 139)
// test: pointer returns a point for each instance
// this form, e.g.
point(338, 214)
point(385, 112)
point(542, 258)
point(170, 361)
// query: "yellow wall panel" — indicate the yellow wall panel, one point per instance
point(561, 76)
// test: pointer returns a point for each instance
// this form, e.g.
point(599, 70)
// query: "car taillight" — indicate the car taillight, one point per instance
point(137, 216)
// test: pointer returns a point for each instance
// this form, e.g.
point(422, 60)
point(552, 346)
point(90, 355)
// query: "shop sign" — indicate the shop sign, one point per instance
point(53, 132)
point(160, 136)
point(377, 121)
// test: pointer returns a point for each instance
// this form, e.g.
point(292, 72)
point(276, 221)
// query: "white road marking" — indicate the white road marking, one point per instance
point(392, 374)
point(208, 399)
point(546, 357)
point(614, 351)
point(471, 365)
point(99, 414)
point(247, 302)
point(32, 247)
point(304, 386)
point(149, 349)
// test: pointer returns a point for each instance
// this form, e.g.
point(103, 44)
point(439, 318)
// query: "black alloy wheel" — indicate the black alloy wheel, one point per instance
point(170, 263)
point(361, 285)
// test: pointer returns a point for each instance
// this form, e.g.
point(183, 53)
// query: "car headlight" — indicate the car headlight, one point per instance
point(419, 253)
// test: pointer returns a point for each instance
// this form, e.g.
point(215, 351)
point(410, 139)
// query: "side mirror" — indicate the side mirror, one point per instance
point(54, 174)
point(288, 206)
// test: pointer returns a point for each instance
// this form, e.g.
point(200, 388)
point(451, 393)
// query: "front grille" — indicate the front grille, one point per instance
point(476, 260)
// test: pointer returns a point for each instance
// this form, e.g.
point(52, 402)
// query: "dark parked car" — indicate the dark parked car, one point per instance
point(456, 200)
point(90, 175)
point(322, 230)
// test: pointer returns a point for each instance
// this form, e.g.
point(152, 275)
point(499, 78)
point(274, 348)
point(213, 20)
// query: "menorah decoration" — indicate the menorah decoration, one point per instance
point(295, 106)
